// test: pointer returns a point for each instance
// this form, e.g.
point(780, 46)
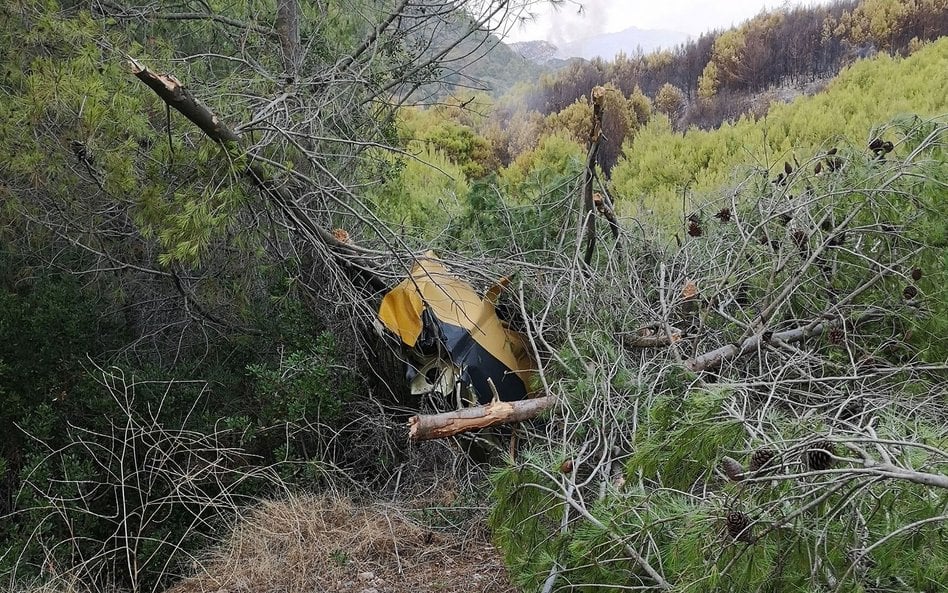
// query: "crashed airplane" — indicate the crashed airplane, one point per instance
point(458, 344)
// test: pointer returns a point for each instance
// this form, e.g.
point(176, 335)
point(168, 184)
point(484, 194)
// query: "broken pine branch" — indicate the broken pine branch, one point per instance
point(447, 424)
point(170, 90)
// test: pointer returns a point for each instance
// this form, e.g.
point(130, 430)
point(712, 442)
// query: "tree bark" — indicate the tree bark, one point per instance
point(172, 92)
point(288, 28)
point(715, 358)
point(605, 207)
point(447, 424)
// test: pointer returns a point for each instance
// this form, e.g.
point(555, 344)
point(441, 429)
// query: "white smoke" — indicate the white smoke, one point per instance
point(577, 19)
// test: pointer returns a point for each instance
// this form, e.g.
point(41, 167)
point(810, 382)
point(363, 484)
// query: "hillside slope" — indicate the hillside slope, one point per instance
point(660, 163)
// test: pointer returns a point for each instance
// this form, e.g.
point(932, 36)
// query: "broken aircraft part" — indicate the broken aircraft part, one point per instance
point(455, 335)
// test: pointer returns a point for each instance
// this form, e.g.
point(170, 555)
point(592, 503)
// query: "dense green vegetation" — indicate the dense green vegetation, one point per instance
point(639, 462)
point(187, 317)
point(661, 170)
point(718, 74)
point(661, 164)
point(140, 310)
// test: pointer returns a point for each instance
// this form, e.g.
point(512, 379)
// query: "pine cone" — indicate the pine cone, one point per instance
point(834, 163)
point(690, 289)
point(741, 296)
point(80, 150)
point(739, 526)
point(916, 274)
point(724, 215)
point(761, 462)
point(566, 467)
point(836, 336)
point(909, 292)
point(732, 468)
point(837, 240)
point(819, 456)
point(774, 243)
point(694, 229)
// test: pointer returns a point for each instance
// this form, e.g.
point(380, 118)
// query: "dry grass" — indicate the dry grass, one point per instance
point(304, 545)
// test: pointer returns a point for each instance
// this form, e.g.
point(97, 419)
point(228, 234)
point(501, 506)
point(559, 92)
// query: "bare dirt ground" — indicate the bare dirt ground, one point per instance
point(307, 545)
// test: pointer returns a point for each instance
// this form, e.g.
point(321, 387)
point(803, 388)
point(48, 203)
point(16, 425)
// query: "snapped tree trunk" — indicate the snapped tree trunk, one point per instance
point(604, 205)
point(595, 137)
point(177, 96)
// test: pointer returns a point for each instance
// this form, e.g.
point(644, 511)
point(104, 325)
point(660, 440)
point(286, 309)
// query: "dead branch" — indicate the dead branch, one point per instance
point(376, 33)
point(173, 92)
point(657, 341)
point(447, 424)
point(118, 11)
point(714, 358)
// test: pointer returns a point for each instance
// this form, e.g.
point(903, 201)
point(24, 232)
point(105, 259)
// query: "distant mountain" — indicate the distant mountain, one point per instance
point(538, 52)
point(629, 41)
point(480, 61)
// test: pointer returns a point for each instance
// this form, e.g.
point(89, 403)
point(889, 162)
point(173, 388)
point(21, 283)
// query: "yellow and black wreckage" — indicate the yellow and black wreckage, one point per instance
point(458, 344)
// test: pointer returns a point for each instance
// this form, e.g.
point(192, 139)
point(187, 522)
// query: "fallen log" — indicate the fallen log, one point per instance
point(715, 358)
point(447, 424)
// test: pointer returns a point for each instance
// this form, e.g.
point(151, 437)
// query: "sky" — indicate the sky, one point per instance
point(609, 16)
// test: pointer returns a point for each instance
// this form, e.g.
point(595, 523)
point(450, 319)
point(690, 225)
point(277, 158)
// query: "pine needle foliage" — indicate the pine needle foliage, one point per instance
point(526, 518)
point(852, 497)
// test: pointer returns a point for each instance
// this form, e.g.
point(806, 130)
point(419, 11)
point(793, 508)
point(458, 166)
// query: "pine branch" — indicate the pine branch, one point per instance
point(176, 95)
point(447, 424)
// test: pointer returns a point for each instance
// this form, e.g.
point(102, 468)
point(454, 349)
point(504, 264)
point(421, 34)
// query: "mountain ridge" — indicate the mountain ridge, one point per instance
point(606, 46)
